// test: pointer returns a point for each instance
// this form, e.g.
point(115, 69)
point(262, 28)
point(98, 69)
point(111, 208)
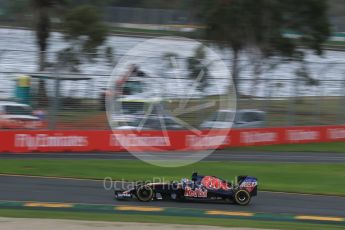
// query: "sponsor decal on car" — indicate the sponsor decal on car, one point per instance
point(124, 195)
point(213, 183)
point(249, 185)
point(196, 193)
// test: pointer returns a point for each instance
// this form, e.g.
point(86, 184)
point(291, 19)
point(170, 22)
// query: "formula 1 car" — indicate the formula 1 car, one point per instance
point(199, 188)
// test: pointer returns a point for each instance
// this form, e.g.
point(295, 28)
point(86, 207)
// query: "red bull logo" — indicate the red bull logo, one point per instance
point(198, 192)
point(249, 186)
point(214, 183)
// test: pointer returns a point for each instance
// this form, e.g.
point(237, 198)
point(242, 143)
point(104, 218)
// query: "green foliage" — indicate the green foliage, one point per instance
point(109, 55)
point(198, 69)
point(43, 29)
point(42, 24)
point(13, 8)
point(42, 9)
point(170, 59)
point(241, 23)
point(83, 24)
point(158, 4)
point(84, 29)
point(68, 58)
point(261, 26)
point(304, 75)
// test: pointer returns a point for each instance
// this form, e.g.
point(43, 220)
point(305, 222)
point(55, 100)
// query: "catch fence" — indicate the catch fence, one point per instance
point(289, 94)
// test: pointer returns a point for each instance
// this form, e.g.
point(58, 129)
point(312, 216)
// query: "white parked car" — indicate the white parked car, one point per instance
point(225, 119)
point(14, 115)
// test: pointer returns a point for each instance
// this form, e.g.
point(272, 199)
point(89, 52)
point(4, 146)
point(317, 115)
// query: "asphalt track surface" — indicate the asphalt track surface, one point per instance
point(21, 188)
point(221, 155)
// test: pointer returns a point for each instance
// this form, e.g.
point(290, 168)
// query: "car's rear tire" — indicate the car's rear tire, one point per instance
point(144, 193)
point(242, 197)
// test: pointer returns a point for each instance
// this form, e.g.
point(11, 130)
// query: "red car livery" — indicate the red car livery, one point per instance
point(214, 183)
point(198, 188)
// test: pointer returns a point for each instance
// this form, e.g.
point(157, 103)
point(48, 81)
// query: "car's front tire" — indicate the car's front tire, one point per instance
point(242, 197)
point(144, 193)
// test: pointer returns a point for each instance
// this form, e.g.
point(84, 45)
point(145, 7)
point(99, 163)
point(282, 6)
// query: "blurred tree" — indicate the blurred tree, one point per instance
point(42, 14)
point(83, 24)
point(198, 69)
point(109, 55)
point(84, 29)
point(170, 60)
point(14, 11)
point(94, 3)
point(260, 26)
point(42, 10)
point(156, 4)
point(337, 8)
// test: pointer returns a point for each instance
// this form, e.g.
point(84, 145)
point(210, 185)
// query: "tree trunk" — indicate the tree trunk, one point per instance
point(257, 73)
point(42, 34)
point(235, 72)
point(41, 60)
point(42, 92)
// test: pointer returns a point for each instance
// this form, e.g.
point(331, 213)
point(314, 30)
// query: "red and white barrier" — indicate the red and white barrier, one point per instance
point(88, 141)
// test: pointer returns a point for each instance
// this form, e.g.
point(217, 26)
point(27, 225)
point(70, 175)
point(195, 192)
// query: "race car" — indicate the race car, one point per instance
point(198, 188)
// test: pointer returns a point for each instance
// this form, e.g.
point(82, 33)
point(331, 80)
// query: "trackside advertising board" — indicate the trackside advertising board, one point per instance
point(17, 141)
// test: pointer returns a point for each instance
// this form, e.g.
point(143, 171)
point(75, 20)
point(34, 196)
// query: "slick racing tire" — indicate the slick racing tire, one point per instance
point(144, 193)
point(242, 197)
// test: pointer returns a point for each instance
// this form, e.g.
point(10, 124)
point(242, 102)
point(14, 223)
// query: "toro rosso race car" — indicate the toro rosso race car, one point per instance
point(199, 188)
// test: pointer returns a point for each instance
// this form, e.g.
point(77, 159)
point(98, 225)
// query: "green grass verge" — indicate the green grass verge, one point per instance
point(151, 32)
point(336, 147)
point(338, 43)
point(287, 177)
point(163, 219)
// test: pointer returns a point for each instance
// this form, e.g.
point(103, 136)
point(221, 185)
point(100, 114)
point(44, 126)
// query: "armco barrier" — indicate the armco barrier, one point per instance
point(172, 212)
point(88, 141)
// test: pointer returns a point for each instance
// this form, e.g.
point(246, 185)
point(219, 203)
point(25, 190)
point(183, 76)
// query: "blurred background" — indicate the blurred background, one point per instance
point(286, 60)
point(60, 60)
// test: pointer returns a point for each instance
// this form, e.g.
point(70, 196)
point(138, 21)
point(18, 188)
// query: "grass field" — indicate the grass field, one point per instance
point(287, 177)
point(152, 32)
point(336, 147)
point(163, 219)
point(338, 43)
